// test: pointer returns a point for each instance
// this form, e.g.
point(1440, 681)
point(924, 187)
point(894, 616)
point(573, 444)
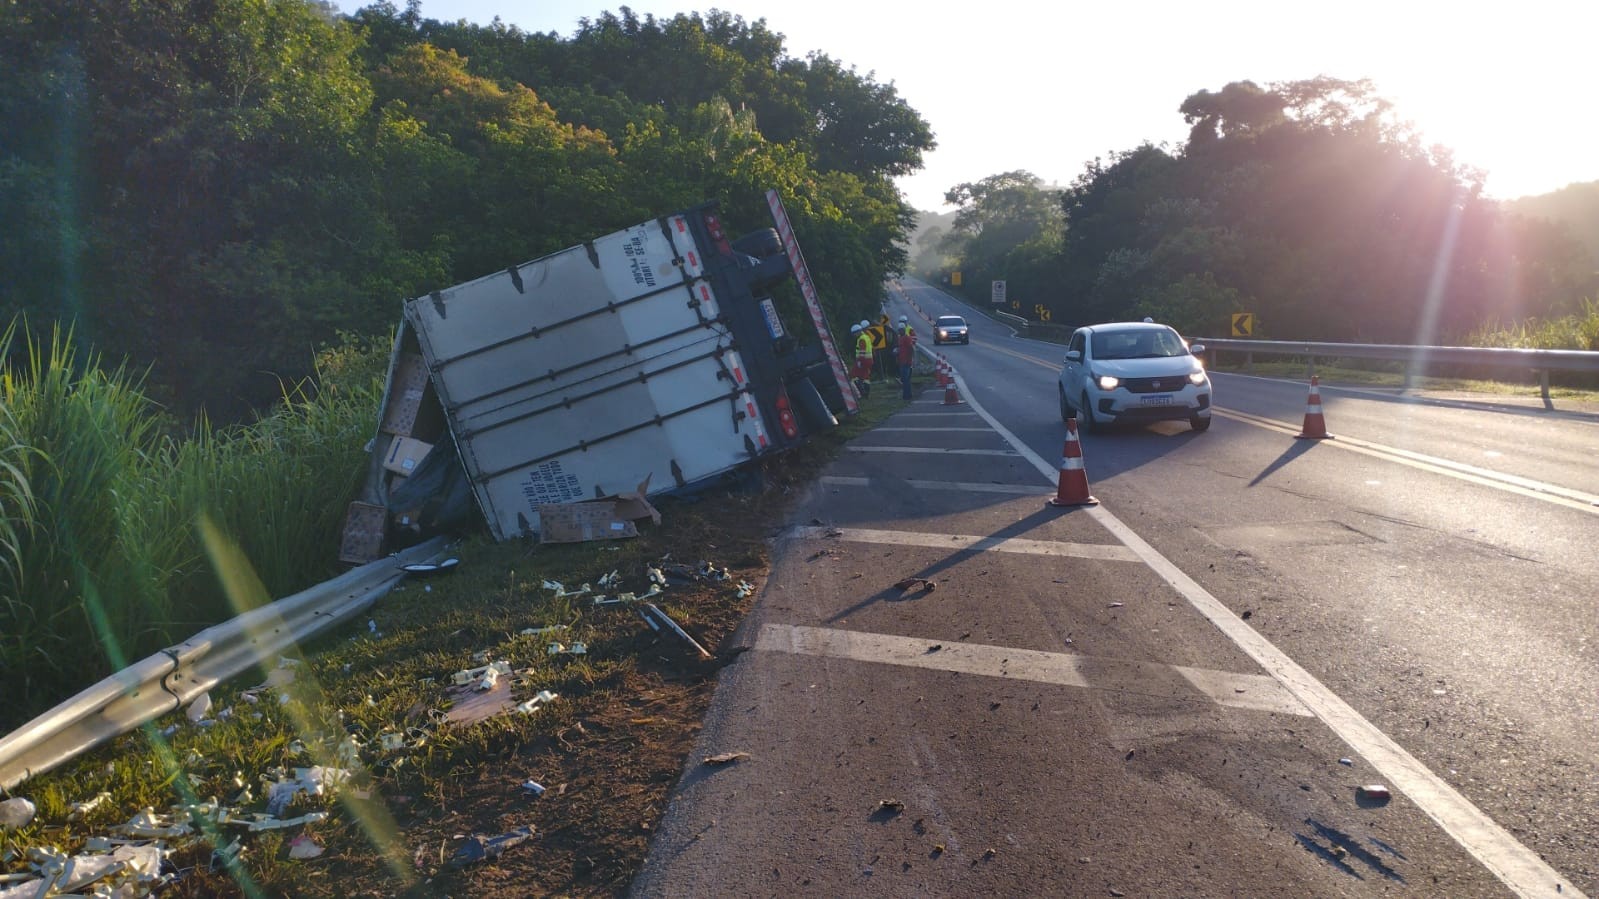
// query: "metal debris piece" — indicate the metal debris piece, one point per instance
point(391, 741)
point(481, 657)
point(656, 575)
point(258, 823)
point(16, 813)
point(926, 584)
point(1117, 605)
point(481, 848)
point(673, 626)
point(304, 847)
point(744, 588)
point(610, 580)
point(725, 758)
point(225, 856)
point(535, 631)
point(534, 787)
point(1348, 762)
point(891, 805)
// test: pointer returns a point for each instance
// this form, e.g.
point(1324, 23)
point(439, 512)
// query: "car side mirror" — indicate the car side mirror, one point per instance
point(1197, 348)
point(1074, 356)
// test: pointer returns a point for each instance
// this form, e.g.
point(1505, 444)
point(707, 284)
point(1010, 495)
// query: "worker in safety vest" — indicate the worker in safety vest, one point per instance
point(863, 357)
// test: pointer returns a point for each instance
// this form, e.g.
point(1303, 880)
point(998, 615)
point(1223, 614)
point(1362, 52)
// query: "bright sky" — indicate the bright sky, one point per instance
point(1048, 85)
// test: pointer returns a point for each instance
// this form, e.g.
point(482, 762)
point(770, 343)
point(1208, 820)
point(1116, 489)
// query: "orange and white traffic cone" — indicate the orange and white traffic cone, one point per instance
point(951, 397)
point(942, 368)
point(1315, 427)
point(1073, 489)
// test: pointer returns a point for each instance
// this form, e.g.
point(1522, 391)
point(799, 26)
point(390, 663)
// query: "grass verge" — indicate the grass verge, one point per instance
point(607, 751)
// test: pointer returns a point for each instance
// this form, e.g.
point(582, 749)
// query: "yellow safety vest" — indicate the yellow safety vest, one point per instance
point(863, 346)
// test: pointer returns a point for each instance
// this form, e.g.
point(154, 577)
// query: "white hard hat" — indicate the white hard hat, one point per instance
point(865, 324)
point(903, 319)
point(1148, 320)
point(855, 329)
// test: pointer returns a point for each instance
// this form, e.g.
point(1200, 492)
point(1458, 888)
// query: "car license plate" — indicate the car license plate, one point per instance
point(1158, 399)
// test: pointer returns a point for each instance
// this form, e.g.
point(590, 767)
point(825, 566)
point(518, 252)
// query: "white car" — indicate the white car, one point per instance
point(1134, 372)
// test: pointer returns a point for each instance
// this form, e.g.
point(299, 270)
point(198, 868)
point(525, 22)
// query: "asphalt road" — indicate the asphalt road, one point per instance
point(1178, 692)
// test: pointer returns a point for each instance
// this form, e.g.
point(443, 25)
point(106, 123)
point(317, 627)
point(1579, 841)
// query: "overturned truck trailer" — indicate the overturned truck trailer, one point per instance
point(655, 354)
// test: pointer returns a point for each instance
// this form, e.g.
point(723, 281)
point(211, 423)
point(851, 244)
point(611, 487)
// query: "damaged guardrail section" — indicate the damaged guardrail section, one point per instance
point(173, 677)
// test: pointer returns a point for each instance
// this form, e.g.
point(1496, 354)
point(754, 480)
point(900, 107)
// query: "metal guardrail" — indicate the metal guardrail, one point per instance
point(172, 678)
point(1009, 319)
point(1418, 357)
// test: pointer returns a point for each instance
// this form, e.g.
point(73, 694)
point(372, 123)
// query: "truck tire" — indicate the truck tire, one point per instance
point(760, 244)
point(821, 377)
point(808, 404)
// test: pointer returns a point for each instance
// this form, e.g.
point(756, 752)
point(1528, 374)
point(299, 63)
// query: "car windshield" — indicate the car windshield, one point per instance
point(952, 321)
point(1138, 343)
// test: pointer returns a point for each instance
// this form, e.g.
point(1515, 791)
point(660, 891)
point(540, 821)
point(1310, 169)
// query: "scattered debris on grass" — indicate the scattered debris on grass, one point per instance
point(725, 758)
point(480, 848)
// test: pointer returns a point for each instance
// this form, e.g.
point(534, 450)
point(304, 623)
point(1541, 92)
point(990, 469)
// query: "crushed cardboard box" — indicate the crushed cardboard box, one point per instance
point(604, 518)
point(405, 454)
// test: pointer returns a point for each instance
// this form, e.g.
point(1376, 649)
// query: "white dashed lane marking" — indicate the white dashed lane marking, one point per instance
point(1255, 692)
point(931, 451)
point(944, 486)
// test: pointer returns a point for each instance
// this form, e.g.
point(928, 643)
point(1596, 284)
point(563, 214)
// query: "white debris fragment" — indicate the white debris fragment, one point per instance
point(16, 812)
point(481, 674)
point(744, 588)
point(200, 707)
point(79, 809)
point(148, 825)
point(303, 847)
point(656, 576)
point(610, 580)
point(542, 698)
point(535, 631)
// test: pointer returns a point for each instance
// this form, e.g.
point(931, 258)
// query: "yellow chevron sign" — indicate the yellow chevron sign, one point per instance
point(1243, 324)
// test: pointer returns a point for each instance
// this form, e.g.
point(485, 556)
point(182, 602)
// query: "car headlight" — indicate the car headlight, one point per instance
point(942, 333)
point(1107, 382)
point(1196, 377)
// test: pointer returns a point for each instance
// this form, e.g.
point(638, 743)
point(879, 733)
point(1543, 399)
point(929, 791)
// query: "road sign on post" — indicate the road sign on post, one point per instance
point(997, 293)
point(1243, 324)
point(955, 279)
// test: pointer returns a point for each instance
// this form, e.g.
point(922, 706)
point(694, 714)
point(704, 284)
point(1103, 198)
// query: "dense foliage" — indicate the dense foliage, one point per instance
point(1300, 202)
point(215, 188)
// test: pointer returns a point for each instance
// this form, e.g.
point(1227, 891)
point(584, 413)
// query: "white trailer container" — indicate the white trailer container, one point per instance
point(651, 354)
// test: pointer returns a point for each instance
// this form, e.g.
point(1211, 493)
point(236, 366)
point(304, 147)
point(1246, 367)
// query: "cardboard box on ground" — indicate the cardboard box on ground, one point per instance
point(605, 518)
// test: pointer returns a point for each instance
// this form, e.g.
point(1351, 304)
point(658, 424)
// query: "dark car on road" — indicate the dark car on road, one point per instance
point(950, 329)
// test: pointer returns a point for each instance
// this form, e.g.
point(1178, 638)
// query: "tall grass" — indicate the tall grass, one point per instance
point(1578, 331)
point(100, 504)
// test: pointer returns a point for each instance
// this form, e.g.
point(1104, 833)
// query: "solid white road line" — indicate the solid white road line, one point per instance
point(1518, 867)
point(1111, 552)
point(937, 430)
point(1550, 493)
point(1255, 692)
point(966, 486)
point(930, 451)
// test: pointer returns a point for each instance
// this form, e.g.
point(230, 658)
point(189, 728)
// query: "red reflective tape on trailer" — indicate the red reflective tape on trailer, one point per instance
point(680, 223)
point(738, 375)
point(693, 260)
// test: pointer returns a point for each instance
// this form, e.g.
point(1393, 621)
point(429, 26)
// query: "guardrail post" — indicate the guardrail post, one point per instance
point(1249, 363)
point(1310, 367)
point(1543, 384)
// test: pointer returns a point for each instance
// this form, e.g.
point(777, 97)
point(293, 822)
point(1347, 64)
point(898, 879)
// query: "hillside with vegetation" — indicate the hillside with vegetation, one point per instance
point(213, 190)
point(1302, 202)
